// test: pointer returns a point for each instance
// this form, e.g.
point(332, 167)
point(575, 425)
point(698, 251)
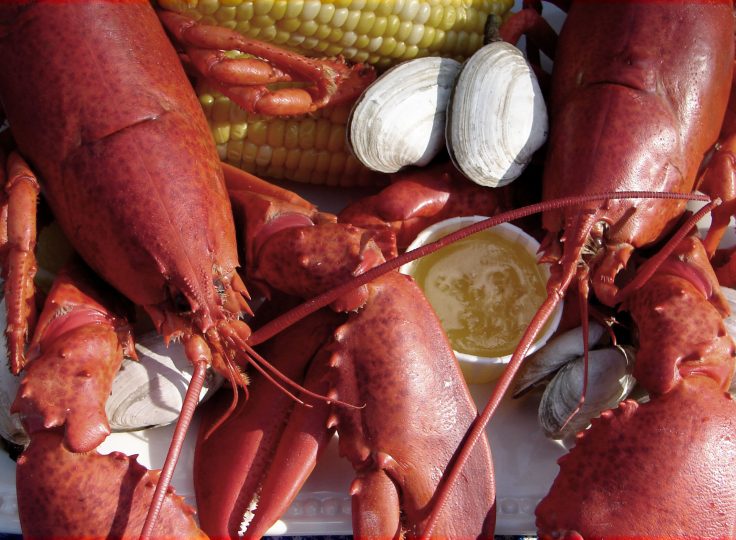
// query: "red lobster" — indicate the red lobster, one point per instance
point(383, 348)
point(100, 106)
point(638, 96)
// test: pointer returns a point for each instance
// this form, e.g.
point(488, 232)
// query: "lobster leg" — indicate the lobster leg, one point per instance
point(76, 350)
point(19, 261)
point(416, 199)
point(718, 175)
point(611, 483)
point(331, 81)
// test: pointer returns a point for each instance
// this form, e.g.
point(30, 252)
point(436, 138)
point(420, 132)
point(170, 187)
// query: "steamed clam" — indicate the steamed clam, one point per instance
point(609, 382)
point(497, 118)
point(150, 392)
point(399, 120)
point(562, 409)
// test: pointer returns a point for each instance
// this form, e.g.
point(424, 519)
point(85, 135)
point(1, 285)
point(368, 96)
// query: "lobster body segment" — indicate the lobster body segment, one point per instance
point(639, 93)
point(151, 217)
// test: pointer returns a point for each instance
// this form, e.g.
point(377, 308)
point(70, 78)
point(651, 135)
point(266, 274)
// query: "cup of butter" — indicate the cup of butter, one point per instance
point(485, 289)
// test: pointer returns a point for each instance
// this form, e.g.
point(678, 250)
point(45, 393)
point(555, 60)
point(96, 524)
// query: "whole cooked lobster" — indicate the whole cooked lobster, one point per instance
point(638, 96)
point(99, 105)
point(127, 166)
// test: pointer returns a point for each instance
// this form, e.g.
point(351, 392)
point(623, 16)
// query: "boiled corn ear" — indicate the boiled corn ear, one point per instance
point(377, 32)
point(307, 148)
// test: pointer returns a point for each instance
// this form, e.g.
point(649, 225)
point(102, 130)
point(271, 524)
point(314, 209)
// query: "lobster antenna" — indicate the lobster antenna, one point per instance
point(263, 366)
point(477, 429)
point(177, 441)
point(273, 327)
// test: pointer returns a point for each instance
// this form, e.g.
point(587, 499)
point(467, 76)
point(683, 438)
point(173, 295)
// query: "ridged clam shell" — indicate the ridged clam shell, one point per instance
point(150, 392)
point(497, 117)
point(540, 366)
point(399, 120)
point(609, 381)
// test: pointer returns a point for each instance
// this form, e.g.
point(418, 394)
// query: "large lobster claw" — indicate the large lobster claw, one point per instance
point(389, 358)
point(666, 467)
point(64, 485)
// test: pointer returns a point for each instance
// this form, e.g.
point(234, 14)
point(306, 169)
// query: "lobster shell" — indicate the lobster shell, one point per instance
point(100, 106)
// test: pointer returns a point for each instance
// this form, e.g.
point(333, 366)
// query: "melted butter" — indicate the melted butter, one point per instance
point(485, 290)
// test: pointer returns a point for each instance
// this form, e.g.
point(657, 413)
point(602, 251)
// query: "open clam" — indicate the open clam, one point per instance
point(399, 120)
point(497, 117)
point(566, 407)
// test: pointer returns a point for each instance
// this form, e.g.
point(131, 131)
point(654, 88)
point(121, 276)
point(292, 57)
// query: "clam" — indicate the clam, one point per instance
point(539, 367)
point(497, 117)
point(150, 392)
point(399, 120)
point(609, 382)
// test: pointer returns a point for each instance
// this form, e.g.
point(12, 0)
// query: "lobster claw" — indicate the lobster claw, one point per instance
point(248, 465)
point(379, 359)
point(76, 352)
point(616, 467)
point(64, 486)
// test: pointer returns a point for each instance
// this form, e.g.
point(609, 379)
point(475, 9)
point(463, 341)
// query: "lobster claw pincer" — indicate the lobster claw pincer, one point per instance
point(79, 345)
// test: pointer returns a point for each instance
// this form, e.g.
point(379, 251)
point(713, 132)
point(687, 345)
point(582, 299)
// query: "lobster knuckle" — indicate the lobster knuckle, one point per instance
point(197, 350)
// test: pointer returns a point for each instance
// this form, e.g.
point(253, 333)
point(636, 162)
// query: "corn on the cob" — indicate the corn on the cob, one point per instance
point(377, 32)
point(307, 148)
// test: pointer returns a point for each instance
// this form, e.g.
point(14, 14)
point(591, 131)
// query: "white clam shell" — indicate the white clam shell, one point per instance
point(150, 392)
point(561, 349)
point(497, 117)
point(609, 382)
point(399, 120)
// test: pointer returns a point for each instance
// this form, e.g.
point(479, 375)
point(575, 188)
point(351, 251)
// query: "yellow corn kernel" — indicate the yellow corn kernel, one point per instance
point(308, 148)
point(221, 133)
point(258, 132)
point(418, 27)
